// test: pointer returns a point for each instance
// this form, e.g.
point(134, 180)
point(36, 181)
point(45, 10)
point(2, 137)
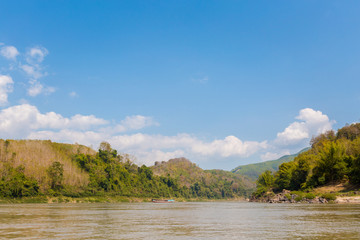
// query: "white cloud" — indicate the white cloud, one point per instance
point(9, 52)
point(150, 157)
point(49, 90)
point(89, 138)
point(6, 86)
point(36, 55)
point(23, 120)
point(230, 146)
point(298, 134)
point(189, 145)
point(79, 121)
point(151, 148)
point(135, 123)
point(311, 124)
point(144, 142)
point(35, 88)
point(26, 121)
point(73, 94)
point(33, 72)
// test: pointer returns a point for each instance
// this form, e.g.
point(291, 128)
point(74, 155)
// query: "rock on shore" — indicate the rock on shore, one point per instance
point(287, 197)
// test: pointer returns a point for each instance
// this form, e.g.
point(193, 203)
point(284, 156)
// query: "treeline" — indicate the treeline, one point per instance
point(14, 183)
point(333, 158)
point(229, 184)
point(212, 184)
point(107, 174)
point(111, 173)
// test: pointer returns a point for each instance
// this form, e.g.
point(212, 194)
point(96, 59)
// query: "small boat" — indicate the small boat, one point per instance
point(163, 200)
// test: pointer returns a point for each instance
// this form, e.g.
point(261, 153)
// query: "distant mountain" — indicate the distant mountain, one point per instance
point(253, 171)
point(212, 183)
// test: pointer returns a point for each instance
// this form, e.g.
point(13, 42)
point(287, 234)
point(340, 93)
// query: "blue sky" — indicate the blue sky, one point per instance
point(222, 83)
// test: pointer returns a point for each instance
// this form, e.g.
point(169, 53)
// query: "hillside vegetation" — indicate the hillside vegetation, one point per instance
point(31, 168)
point(34, 157)
point(333, 159)
point(253, 171)
point(205, 183)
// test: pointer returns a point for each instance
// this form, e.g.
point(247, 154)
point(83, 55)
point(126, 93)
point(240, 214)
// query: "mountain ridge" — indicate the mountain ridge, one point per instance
point(253, 171)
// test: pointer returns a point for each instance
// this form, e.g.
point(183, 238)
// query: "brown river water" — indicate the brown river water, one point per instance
point(189, 220)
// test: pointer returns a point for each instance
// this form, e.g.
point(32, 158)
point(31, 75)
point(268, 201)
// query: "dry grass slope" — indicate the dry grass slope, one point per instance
point(37, 155)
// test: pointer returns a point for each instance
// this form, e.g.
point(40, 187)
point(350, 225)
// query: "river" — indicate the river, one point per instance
point(189, 220)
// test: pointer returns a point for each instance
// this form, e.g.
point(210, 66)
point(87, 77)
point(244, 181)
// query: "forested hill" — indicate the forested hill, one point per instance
point(334, 158)
point(253, 171)
point(207, 183)
point(34, 168)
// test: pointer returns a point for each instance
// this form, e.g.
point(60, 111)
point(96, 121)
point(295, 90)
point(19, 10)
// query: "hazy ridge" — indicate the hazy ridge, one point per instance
point(253, 171)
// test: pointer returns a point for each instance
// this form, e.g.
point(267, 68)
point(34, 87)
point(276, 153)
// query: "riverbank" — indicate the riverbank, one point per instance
point(287, 196)
point(64, 199)
point(353, 200)
point(102, 199)
point(314, 197)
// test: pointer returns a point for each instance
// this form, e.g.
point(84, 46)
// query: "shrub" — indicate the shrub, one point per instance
point(310, 196)
point(288, 196)
point(299, 193)
point(298, 198)
point(56, 175)
point(329, 196)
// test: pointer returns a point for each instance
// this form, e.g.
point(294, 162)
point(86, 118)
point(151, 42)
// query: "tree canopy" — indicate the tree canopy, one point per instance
point(332, 158)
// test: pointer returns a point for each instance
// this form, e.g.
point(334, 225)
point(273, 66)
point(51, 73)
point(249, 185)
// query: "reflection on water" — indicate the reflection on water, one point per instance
point(209, 220)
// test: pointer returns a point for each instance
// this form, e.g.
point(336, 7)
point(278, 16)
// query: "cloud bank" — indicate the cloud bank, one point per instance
point(26, 121)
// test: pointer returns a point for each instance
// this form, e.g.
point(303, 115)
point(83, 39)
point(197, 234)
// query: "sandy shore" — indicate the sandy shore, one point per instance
point(354, 199)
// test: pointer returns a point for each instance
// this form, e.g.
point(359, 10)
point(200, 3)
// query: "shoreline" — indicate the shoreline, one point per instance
point(287, 196)
point(122, 199)
point(348, 200)
point(101, 199)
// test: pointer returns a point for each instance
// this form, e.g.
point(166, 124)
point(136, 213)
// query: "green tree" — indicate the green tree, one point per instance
point(266, 179)
point(300, 174)
point(354, 174)
point(105, 146)
point(284, 175)
point(14, 183)
point(331, 165)
point(350, 132)
point(56, 175)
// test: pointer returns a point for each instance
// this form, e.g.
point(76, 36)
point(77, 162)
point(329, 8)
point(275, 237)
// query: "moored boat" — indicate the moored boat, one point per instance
point(163, 200)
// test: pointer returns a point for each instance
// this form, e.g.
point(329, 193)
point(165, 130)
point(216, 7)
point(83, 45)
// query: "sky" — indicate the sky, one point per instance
point(222, 83)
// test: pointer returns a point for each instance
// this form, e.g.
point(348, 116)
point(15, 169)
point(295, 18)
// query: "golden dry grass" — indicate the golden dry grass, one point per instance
point(330, 188)
point(37, 155)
